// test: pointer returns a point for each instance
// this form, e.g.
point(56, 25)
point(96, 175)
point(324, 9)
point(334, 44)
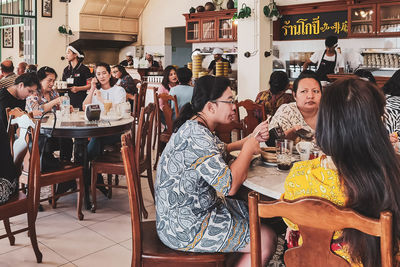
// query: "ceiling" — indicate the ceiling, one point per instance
point(114, 8)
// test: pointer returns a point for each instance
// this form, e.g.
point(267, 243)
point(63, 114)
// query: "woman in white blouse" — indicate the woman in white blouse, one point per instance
point(304, 112)
point(103, 88)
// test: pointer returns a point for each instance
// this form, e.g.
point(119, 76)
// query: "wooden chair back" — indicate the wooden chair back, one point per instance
point(250, 121)
point(144, 134)
point(132, 178)
point(317, 220)
point(141, 98)
point(225, 131)
point(167, 110)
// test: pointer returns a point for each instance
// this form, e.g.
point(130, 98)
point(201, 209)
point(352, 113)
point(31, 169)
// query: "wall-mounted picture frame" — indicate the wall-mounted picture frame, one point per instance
point(21, 41)
point(8, 33)
point(47, 8)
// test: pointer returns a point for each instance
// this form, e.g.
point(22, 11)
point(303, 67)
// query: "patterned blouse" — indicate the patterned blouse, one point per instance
point(392, 116)
point(272, 102)
point(287, 116)
point(36, 102)
point(315, 178)
point(192, 177)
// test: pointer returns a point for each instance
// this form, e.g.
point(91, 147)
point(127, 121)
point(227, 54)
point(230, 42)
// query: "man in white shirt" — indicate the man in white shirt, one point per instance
point(329, 61)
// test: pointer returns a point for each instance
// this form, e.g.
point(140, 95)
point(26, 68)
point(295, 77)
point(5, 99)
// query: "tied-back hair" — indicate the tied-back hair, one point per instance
point(304, 75)
point(165, 80)
point(207, 88)
point(122, 70)
point(113, 81)
point(392, 86)
point(44, 71)
point(278, 82)
point(350, 130)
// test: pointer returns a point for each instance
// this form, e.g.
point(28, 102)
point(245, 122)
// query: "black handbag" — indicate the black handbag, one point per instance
point(47, 161)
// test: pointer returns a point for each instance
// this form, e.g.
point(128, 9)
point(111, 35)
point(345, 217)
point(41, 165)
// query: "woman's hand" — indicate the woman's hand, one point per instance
point(36, 113)
point(74, 89)
point(93, 83)
point(261, 132)
point(97, 94)
point(394, 139)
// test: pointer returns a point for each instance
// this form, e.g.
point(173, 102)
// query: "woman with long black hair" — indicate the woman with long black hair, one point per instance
point(359, 168)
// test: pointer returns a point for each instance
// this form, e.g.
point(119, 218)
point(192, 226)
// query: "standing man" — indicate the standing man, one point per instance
point(217, 52)
point(128, 61)
point(7, 74)
point(329, 61)
point(77, 75)
point(15, 95)
point(21, 69)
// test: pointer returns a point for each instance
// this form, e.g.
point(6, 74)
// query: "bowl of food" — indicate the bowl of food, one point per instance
point(268, 154)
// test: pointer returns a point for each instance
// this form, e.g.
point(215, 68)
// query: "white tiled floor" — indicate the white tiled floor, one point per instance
point(101, 239)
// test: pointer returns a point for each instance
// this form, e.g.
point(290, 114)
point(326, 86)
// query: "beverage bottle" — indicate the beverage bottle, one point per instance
point(65, 111)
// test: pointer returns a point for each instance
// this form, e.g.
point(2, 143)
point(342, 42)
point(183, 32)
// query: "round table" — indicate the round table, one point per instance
point(76, 127)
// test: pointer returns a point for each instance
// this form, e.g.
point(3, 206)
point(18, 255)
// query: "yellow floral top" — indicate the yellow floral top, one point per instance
point(315, 178)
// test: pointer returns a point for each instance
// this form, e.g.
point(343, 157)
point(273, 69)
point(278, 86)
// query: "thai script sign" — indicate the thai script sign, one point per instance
point(313, 26)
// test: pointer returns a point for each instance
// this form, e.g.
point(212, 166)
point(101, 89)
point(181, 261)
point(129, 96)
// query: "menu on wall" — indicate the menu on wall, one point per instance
point(313, 26)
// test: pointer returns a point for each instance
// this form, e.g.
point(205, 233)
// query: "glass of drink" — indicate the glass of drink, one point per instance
point(107, 106)
point(284, 149)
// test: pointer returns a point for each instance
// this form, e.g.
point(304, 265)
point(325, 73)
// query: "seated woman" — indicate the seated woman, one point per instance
point(304, 112)
point(103, 88)
point(125, 80)
point(184, 90)
point(360, 172)
point(277, 95)
point(169, 80)
point(193, 178)
point(8, 171)
point(392, 92)
point(45, 100)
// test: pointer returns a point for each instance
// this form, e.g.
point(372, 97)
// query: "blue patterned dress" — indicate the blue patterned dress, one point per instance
point(190, 214)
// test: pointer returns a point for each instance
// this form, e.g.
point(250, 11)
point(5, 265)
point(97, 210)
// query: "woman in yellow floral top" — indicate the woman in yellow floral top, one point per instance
point(361, 171)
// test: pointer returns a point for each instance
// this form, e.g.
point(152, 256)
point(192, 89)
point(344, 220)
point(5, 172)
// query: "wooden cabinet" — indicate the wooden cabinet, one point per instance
point(372, 20)
point(211, 26)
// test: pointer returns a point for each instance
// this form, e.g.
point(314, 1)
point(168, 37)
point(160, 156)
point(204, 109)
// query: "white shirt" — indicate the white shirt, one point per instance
point(317, 56)
point(116, 94)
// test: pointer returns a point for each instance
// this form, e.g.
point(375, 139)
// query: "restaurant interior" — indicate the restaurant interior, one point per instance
point(206, 133)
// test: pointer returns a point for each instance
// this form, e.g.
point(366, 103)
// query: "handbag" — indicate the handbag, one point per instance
point(47, 161)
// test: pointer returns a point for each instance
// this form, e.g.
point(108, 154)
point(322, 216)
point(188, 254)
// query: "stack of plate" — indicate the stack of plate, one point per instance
point(268, 154)
point(219, 69)
point(226, 69)
point(197, 65)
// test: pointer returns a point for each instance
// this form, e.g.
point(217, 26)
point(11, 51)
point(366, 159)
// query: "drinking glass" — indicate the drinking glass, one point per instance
point(284, 149)
point(107, 106)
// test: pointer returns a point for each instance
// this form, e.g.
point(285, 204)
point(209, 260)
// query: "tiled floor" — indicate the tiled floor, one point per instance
point(101, 239)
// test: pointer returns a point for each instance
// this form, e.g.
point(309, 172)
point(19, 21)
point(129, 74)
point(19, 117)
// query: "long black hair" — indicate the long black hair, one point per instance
point(304, 75)
point(44, 71)
point(278, 82)
point(207, 88)
point(392, 86)
point(113, 81)
point(122, 70)
point(350, 130)
point(165, 80)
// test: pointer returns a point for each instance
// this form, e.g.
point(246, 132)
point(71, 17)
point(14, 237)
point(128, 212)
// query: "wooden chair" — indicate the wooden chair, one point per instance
point(141, 99)
point(250, 121)
point(27, 131)
point(147, 249)
point(317, 219)
point(66, 173)
point(111, 163)
point(163, 137)
point(225, 131)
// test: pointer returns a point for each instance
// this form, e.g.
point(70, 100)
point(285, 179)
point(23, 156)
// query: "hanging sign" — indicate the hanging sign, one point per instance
point(313, 26)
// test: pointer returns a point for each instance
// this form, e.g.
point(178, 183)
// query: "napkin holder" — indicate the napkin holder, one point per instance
point(92, 112)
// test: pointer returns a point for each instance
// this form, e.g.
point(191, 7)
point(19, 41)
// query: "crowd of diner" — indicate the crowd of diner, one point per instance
point(353, 125)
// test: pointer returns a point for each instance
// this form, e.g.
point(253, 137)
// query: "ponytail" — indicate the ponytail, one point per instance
point(185, 114)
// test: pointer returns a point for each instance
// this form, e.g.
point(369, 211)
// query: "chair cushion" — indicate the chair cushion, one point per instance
point(153, 248)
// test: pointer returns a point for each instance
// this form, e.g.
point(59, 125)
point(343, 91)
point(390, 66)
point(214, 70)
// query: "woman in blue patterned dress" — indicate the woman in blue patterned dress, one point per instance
point(193, 178)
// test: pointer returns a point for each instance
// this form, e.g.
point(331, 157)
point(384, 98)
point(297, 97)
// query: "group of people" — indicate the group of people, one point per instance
point(358, 168)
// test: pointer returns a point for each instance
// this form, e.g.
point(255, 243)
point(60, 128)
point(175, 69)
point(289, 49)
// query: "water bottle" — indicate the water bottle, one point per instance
point(65, 111)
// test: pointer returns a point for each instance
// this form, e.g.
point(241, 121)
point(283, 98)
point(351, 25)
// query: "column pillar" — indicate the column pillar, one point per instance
point(254, 36)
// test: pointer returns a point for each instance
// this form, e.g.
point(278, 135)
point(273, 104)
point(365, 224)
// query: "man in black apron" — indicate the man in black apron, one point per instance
point(77, 75)
point(329, 60)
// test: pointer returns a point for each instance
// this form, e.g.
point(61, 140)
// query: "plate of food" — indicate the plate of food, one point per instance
point(111, 117)
point(235, 154)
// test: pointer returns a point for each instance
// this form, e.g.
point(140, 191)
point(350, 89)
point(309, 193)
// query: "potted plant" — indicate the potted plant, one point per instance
point(271, 11)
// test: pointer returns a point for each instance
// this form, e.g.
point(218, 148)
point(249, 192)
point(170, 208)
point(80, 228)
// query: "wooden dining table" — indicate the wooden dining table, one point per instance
point(81, 130)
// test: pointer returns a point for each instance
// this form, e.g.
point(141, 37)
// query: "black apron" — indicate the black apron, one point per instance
point(326, 67)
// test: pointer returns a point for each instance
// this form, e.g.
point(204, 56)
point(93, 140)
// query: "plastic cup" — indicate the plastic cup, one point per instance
point(284, 149)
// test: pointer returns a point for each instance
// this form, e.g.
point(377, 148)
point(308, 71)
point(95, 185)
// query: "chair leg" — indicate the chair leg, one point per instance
point(116, 179)
point(32, 236)
point(53, 196)
point(109, 181)
point(157, 154)
point(155, 131)
point(150, 179)
point(141, 202)
point(11, 237)
point(81, 190)
point(93, 188)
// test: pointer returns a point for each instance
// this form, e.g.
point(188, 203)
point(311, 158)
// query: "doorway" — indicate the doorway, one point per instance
point(181, 51)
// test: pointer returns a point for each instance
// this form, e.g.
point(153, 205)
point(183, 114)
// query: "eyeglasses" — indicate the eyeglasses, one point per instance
point(232, 101)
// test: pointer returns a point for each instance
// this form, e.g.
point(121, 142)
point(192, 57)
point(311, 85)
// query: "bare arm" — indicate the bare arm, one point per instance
point(75, 89)
point(305, 65)
point(49, 105)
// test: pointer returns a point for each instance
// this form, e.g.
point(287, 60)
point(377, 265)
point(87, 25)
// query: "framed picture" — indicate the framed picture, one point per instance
point(8, 33)
point(21, 41)
point(47, 8)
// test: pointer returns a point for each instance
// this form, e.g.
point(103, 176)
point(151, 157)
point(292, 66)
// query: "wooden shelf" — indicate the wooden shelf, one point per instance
point(361, 21)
